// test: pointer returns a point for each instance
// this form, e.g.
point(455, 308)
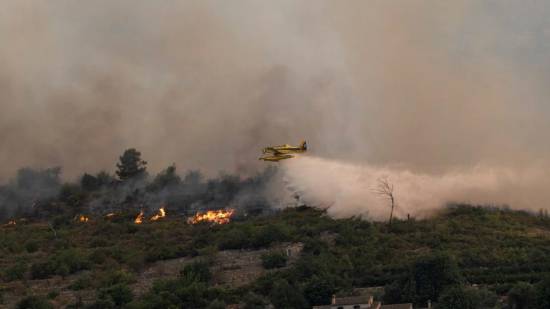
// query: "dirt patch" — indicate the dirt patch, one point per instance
point(237, 268)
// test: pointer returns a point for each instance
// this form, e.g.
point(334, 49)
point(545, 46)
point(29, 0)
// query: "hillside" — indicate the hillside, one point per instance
point(296, 257)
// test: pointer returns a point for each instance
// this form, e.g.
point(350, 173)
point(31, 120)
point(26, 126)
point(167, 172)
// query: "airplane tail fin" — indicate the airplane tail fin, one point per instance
point(304, 145)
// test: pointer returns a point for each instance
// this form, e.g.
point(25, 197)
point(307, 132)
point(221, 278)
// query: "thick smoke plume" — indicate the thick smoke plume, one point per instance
point(430, 89)
point(346, 189)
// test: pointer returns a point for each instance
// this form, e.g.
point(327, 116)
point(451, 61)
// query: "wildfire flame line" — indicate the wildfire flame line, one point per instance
point(139, 218)
point(221, 216)
point(83, 218)
point(160, 215)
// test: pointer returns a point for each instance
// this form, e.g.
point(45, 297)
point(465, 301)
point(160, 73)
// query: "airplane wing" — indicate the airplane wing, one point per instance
point(271, 150)
point(275, 158)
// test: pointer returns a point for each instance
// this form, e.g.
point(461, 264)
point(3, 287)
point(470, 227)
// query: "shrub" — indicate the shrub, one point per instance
point(53, 294)
point(31, 246)
point(254, 301)
point(179, 293)
point(63, 263)
point(319, 290)
point(521, 296)
point(542, 292)
point(283, 295)
point(135, 261)
point(272, 260)
point(119, 294)
point(164, 252)
point(34, 302)
point(98, 256)
point(269, 234)
point(196, 271)
point(236, 238)
point(72, 195)
point(81, 283)
point(42, 270)
point(216, 304)
point(111, 278)
point(16, 272)
point(10, 244)
point(102, 304)
point(459, 297)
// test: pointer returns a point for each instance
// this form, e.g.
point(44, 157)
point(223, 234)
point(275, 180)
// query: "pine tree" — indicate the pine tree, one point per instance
point(131, 165)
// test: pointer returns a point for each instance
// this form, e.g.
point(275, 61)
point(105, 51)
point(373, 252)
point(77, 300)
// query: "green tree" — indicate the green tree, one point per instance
point(193, 178)
point(73, 196)
point(283, 295)
point(432, 274)
point(542, 293)
point(104, 178)
point(426, 280)
point(459, 297)
point(131, 165)
point(166, 178)
point(521, 296)
point(89, 182)
point(319, 290)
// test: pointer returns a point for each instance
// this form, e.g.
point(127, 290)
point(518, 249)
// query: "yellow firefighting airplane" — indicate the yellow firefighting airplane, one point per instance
point(282, 152)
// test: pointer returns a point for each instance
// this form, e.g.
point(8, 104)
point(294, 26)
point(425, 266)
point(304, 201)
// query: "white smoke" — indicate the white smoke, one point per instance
point(453, 92)
point(347, 189)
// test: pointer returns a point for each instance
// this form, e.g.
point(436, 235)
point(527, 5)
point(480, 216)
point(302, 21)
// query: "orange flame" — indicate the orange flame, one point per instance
point(83, 218)
point(12, 222)
point(139, 218)
point(110, 215)
point(161, 214)
point(221, 216)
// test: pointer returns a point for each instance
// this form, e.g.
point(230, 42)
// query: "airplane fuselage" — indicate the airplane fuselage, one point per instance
point(284, 149)
point(282, 152)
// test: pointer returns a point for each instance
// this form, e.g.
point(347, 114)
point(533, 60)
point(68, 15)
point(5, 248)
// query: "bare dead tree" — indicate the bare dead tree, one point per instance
point(385, 190)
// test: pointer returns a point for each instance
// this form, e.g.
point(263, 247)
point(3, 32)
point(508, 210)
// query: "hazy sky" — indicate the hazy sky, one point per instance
point(429, 86)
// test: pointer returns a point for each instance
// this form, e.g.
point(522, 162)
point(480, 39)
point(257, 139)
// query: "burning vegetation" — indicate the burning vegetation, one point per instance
point(41, 194)
point(161, 214)
point(221, 216)
point(83, 218)
point(139, 218)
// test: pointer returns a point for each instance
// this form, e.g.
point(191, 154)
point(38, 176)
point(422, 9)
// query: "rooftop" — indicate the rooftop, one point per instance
point(352, 300)
point(397, 306)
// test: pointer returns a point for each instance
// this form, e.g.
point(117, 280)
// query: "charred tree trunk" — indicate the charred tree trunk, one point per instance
point(392, 205)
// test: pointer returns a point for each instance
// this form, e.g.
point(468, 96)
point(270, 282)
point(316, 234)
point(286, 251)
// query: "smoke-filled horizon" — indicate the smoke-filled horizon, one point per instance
point(346, 189)
point(434, 88)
